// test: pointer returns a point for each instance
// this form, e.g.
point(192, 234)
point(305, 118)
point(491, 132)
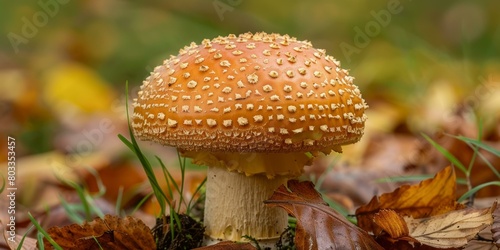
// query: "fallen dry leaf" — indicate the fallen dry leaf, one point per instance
point(388, 244)
point(112, 232)
point(480, 245)
point(430, 197)
point(495, 228)
point(228, 245)
point(318, 226)
point(484, 240)
point(453, 229)
point(14, 242)
point(66, 98)
point(392, 223)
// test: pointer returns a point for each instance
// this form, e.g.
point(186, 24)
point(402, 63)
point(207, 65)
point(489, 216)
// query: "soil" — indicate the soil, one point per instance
point(188, 236)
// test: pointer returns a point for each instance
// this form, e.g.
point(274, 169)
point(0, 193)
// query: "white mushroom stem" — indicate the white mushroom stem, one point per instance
point(234, 207)
point(237, 186)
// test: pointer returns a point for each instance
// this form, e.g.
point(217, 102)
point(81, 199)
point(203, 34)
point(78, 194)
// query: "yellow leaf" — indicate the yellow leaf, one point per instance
point(429, 197)
point(72, 86)
point(392, 223)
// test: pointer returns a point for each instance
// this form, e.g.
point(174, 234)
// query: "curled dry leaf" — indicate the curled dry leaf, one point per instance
point(112, 232)
point(453, 229)
point(318, 226)
point(392, 223)
point(430, 197)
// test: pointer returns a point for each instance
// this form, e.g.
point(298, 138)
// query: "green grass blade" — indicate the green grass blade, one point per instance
point(175, 218)
point(70, 211)
point(323, 176)
point(477, 143)
point(140, 203)
point(95, 209)
point(126, 142)
point(81, 194)
point(158, 192)
point(473, 158)
point(20, 246)
point(182, 164)
point(84, 202)
point(336, 206)
point(119, 200)
point(39, 237)
point(132, 144)
point(44, 233)
point(413, 178)
point(490, 166)
point(100, 185)
point(98, 244)
point(171, 223)
point(480, 144)
point(447, 154)
point(410, 178)
point(147, 168)
point(86, 199)
point(480, 130)
point(198, 189)
point(473, 190)
point(168, 177)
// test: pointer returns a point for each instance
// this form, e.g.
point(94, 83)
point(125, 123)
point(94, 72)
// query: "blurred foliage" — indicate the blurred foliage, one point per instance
point(422, 66)
point(93, 47)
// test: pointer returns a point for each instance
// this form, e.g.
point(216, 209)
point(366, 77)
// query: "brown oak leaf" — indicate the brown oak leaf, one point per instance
point(112, 232)
point(318, 225)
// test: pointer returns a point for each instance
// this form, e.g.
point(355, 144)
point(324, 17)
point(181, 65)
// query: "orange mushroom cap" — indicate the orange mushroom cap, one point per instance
point(264, 93)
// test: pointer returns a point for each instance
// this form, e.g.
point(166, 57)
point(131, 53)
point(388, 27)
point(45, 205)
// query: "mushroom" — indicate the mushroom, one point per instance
point(254, 108)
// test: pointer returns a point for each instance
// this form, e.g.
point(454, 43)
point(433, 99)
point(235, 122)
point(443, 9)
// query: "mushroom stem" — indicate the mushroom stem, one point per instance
point(234, 207)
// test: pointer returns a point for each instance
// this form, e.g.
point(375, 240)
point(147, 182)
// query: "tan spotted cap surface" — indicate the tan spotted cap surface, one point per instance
point(250, 93)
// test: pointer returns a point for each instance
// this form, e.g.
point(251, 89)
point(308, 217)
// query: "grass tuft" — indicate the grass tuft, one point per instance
point(475, 145)
point(87, 205)
point(148, 169)
point(448, 155)
point(175, 223)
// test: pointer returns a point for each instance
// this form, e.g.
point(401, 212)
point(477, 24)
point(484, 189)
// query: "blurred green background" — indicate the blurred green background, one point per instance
point(64, 64)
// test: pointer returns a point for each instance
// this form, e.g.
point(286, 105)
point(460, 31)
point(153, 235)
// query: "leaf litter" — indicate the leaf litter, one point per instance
point(112, 232)
point(426, 213)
